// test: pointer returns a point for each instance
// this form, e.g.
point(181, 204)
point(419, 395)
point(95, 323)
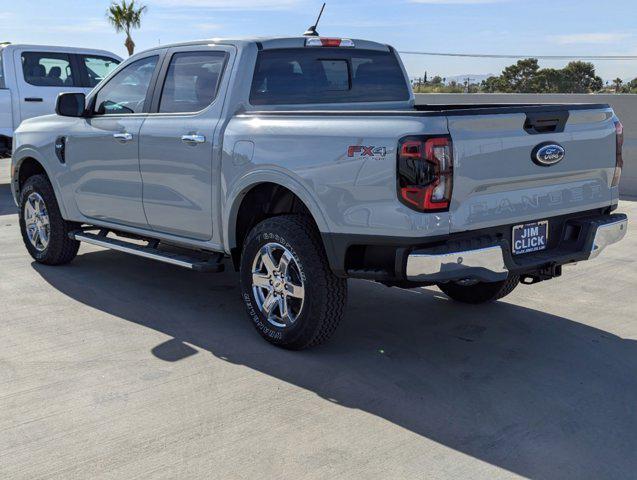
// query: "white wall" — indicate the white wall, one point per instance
point(625, 107)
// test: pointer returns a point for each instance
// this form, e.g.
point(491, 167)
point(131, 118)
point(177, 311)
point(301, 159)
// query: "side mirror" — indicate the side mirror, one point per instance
point(71, 104)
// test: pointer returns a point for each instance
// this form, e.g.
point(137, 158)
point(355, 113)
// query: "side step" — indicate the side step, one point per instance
point(213, 264)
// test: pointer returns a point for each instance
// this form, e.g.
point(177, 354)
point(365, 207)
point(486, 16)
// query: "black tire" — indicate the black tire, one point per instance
point(322, 310)
point(480, 292)
point(60, 249)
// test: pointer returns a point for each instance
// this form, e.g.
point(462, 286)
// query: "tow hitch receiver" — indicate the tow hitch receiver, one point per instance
point(548, 272)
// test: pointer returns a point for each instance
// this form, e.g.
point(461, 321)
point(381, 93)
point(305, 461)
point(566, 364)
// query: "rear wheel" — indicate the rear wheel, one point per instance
point(44, 231)
point(292, 297)
point(480, 292)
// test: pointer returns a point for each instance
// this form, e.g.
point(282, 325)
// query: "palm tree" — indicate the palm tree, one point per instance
point(124, 17)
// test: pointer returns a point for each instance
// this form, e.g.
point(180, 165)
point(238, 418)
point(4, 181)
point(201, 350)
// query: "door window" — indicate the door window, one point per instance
point(126, 92)
point(191, 81)
point(46, 69)
point(98, 68)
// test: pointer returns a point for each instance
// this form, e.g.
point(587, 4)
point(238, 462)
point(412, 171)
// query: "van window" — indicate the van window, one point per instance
point(46, 69)
point(327, 75)
point(98, 68)
point(191, 82)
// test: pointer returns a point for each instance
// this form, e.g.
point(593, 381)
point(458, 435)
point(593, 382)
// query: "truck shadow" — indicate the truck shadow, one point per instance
point(533, 393)
point(6, 200)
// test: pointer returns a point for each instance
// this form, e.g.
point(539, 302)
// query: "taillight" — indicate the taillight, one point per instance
point(619, 159)
point(425, 173)
point(328, 42)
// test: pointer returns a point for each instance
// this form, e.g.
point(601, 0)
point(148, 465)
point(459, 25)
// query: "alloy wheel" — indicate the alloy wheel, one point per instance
point(277, 285)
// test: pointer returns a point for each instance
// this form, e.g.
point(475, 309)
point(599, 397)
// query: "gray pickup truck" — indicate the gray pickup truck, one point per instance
point(306, 161)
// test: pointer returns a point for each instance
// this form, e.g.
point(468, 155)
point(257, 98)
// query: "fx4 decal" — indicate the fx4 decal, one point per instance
point(364, 151)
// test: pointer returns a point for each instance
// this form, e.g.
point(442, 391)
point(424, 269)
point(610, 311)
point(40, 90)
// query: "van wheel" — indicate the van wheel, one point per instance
point(481, 292)
point(44, 231)
point(292, 297)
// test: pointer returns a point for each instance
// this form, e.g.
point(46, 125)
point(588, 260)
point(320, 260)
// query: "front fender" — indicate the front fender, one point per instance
point(244, 184)
point(21, 154)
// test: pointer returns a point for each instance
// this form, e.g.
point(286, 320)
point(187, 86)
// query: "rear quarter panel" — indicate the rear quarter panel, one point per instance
point(309, 154)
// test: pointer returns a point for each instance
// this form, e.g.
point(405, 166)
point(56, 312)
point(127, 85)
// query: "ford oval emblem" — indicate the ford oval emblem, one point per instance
point(547, 154)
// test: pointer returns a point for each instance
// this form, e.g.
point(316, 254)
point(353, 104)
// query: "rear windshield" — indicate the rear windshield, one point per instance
point(327, 75)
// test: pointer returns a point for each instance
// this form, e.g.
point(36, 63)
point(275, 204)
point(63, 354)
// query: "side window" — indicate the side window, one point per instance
point(98, 68)
point(191, 81)
point(46, 69)
point(126, 91)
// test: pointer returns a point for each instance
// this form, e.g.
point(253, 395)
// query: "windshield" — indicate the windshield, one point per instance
point(327, 75)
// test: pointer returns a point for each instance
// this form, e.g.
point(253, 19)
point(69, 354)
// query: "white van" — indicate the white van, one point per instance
point(32, 76)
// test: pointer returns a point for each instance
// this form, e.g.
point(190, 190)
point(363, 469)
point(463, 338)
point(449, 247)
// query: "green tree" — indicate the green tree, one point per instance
point(527, 77)
point(521, 77)
point(580, 77)
point(617, 83)
point(551, 80)
point(493, 85)
point(125, 17)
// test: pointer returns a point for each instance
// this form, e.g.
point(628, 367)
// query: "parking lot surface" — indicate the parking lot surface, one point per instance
point(116, 367)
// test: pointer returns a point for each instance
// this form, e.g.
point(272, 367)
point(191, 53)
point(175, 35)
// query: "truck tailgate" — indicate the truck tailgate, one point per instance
point(497, 182)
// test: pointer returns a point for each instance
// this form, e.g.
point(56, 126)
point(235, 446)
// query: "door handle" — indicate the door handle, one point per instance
point(123, 137)
point(33, 99)
point(193, 138)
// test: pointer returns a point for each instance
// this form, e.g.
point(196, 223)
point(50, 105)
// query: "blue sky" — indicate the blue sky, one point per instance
point(549, 27)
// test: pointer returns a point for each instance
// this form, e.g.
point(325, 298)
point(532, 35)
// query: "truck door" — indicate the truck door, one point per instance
point(41, 76)
point(179, 145)
point(102, 151)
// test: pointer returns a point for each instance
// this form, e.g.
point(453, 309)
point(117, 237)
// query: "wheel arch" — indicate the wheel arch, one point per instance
point(263, 196)
point(25, 164)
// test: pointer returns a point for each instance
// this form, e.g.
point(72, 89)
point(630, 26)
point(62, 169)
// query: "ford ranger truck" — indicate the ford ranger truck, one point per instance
point(306, 162)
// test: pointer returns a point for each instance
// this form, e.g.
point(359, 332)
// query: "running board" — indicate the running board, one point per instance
point(212, 265)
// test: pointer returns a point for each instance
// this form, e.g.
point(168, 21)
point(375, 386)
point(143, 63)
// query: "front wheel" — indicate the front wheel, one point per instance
point(291, 295)
point(481, 292)
point(44, 231)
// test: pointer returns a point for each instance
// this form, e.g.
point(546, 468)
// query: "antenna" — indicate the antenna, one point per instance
point(311, 32)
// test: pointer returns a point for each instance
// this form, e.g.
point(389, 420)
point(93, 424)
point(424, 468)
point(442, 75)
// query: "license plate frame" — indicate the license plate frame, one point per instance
point(530, 237)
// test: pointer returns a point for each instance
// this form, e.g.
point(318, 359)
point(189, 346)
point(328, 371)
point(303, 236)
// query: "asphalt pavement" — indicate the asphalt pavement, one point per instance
point(117, 367)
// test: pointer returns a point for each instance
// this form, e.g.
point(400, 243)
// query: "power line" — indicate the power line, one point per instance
point(544, 57)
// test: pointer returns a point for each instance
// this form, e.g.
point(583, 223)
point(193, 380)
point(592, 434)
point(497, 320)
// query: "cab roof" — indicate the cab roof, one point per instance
point(270, 43)
point(58, 48)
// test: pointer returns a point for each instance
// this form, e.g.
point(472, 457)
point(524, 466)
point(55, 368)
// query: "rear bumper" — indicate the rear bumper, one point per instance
point(485, 264)
point(581, 240)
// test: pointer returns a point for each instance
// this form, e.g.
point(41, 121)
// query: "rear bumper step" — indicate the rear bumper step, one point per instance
point(212, 264)
point(495, 263)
